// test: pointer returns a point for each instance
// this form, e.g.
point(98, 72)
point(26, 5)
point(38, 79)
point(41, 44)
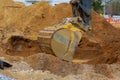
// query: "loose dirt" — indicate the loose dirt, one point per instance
point(116, 25)
point(97, 56)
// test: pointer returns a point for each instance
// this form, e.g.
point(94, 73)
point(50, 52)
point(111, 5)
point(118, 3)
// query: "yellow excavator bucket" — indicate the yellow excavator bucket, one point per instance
point(60, 41)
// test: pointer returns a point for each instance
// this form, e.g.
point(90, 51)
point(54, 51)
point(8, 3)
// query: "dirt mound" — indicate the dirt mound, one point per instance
point(31, 19)
point(8, 11)
point(19, 26)
point(45, 62)
point(63, 68)
point(27, 21)
point(102, 39)
point(116, 25)
point(108, 38)
point(87, 50)
point(100, 45)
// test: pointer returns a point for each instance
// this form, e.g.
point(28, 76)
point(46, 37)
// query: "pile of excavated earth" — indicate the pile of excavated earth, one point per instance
point(117, 25)
point(97, 57)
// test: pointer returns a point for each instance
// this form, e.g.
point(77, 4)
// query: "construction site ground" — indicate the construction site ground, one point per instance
point(117, 25)
point(96, 58)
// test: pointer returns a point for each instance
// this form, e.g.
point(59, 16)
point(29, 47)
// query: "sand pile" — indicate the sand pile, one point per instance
point(116, 25)
point(31, 19)
point(63, 68)
point(27, 21)
point(102, 43)
point(18, 20)
point(8, 10)
point(108, 38)
point(19, 26)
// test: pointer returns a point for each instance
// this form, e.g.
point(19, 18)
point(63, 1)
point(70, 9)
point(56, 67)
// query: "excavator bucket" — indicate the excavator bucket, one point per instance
point(60, 41)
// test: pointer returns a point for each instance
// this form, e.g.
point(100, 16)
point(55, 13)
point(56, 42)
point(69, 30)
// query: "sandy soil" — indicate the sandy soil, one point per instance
point(116, 25)
point(97, 57)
